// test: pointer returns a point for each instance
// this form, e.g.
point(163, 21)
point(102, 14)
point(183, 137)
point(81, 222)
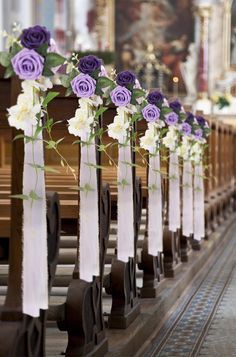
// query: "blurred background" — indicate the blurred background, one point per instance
point(185, 47)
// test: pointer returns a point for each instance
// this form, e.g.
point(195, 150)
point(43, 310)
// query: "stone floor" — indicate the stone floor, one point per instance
point(220, 339)
point(204, 323)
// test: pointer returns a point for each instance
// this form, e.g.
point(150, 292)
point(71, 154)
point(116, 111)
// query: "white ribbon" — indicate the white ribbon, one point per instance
point(174, 192)
point(35, 269)
point(187, 214)
point(155, 229)
point(89, 214)
point(125, 216)
point(199, 214)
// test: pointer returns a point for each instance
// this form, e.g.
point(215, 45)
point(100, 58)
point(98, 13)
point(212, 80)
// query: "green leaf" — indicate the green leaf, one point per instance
point(50, 96)
point(50, 169)
point(100, 111)
point(20, 197)
point(5, 59)
point(51, 144)
point(182, 116)
point(33, 195)
point(152, 187)
point(42, 50)
point(136, 117)
point(123, 183)
point(15, 48)
point(68, 92)
point(19, 136)
point(99, 167)
point(38, 130)
point(88, 188)
point(166, 110)
point(65, 80)
point(59, 141)
point(47, 72)
point(9, 72)
point(104, 82)
point(53, 60)
point(22, 136)
point(130, 164)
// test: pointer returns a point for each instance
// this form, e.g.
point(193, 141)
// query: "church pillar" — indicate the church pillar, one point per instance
point(203, 13)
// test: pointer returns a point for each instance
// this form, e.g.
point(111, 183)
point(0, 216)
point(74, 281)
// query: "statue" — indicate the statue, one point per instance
point(189, 73)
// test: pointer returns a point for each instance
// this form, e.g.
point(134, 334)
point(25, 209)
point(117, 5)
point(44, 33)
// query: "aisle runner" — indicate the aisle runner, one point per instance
point(182, 333)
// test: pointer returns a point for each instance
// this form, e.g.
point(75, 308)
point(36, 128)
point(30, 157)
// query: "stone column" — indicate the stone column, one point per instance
point(203, 52)
point(203, 12)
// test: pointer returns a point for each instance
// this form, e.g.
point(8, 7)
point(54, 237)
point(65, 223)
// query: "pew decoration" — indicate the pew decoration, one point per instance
point(154, 110)
point(33, 61)
point(127, 96)
point(88, 83)
point(171, 141)
point(202, 131)
point(191, 150)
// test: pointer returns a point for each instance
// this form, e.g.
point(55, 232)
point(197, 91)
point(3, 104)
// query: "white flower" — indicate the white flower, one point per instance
point(23, 112)
point(118, 129)
point(196, 152)
point(95, 101)
point(80, 125)
point(150, 138)
point(43, 84)
point(171, 139)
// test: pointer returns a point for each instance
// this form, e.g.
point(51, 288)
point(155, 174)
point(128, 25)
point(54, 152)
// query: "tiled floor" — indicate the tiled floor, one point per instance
point(183, 333)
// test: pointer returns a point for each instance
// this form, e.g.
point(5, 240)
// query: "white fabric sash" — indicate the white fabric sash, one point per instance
point(89, 215)
point(35, 269)
point(199, 214)
point(125, 216)
point(187, 214)
point(155, 229)
point(174, 192)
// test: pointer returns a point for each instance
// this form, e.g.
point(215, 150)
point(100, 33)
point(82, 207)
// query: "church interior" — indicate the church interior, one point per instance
point(117, 178)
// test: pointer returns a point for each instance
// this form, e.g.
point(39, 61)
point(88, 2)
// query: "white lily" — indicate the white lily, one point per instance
point(150, 138)
point(118, 129)
point(23, 112)
point(80, 125)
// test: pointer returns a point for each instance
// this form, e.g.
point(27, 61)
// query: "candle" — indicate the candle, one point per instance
point(175, 86)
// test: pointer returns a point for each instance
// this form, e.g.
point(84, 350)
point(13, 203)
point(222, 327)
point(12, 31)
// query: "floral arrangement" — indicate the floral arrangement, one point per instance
point(32, 59)
point(222, 100)
point(195, 131)
point(127, 96)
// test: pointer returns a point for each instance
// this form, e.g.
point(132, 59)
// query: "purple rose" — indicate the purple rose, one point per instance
point(125, 78)
point(175, 106)
point(155, 97)
point(201, 121)
point(198, 133)
point(120, 96)
point(34, 37)
point(89, 64)
point(186, 129)
point(28, 64)
point(83, 85)
point(190, 118)
point(151, 113)
point(171, 118)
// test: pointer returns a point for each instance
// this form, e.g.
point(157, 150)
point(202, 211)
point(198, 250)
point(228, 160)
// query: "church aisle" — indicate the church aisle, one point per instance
point(205, 319)
point(220, 338)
